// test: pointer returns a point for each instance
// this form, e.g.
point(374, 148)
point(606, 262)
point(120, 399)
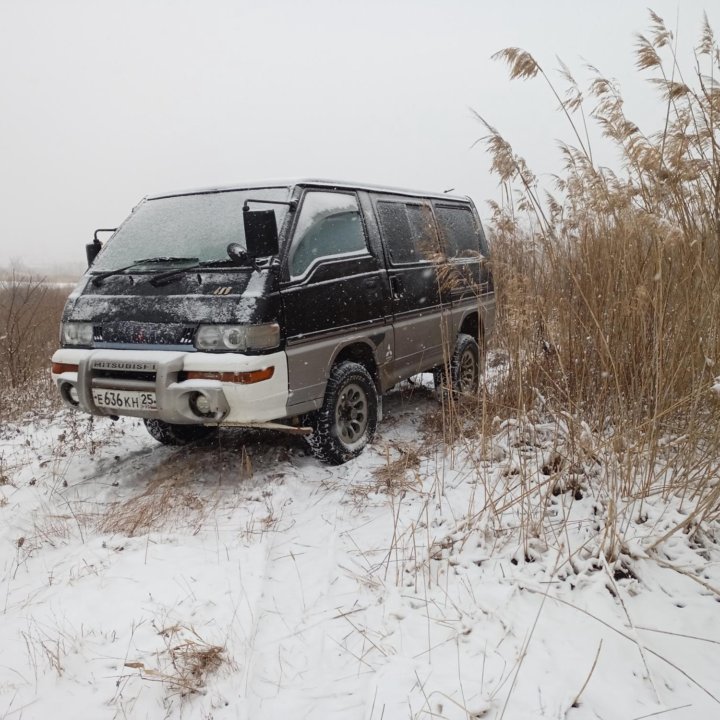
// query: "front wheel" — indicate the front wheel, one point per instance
point(346, 422)
point(169, 434)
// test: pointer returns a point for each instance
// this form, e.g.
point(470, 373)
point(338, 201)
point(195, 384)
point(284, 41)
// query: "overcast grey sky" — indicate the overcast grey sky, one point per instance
point(105, 101)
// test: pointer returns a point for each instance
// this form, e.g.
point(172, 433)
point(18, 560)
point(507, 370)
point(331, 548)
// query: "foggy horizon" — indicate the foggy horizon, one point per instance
point(107, 103)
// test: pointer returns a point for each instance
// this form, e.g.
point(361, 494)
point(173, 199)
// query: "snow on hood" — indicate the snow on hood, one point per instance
point(196, 303)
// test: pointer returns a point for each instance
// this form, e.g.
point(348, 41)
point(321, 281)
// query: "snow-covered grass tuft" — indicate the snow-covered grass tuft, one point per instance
point(185, 663)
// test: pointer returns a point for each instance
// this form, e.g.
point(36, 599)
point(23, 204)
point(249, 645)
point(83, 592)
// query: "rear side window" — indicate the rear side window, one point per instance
point(329, 224)
point(408, 230)
point(459, 231)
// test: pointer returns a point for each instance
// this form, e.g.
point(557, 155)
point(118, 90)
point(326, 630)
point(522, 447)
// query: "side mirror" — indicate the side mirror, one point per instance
point(261, 234)
point(91, 251)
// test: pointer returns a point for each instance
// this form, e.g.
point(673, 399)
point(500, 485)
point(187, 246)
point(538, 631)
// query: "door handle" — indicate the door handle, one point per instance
point(370, 282)
point(396, 286)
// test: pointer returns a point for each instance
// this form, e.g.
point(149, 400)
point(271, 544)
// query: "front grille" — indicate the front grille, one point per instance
point(132, 375)
point(134, 333)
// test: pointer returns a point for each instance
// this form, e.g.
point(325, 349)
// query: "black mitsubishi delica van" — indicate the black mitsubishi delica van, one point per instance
point(291, 305)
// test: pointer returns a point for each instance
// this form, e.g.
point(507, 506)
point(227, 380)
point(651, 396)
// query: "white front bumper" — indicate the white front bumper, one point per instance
point(256, 402)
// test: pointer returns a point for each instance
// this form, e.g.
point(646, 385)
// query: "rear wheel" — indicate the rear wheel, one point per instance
point(464, 368)
point(346, 422)
point(169, 434)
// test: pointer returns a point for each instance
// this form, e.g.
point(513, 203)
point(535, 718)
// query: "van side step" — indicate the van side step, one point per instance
point(290, 429)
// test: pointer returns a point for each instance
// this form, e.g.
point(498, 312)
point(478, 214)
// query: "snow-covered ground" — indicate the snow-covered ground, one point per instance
point(424, 579)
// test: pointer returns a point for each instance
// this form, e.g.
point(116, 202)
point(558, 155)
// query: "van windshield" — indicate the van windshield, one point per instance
point(185, 226)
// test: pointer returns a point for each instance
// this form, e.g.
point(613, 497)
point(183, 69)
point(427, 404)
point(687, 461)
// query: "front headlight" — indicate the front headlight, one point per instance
point(237, 337)
point(77, 333)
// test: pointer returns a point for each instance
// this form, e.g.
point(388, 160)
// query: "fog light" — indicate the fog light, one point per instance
point(70, 393)
point(200, 405)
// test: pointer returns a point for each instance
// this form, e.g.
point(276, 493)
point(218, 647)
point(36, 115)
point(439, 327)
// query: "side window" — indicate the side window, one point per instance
point(459, 231)
point(329, 224)
point(408, 231)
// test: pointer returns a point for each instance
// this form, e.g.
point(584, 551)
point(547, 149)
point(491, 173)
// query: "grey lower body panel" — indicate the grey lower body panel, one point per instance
point(421, 339)
point(414, 343)
point(310, 362)
point(483, 306)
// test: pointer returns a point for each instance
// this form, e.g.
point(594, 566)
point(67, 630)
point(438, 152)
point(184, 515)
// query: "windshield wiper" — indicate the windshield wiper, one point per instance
point(97, 279)
point(163, 276)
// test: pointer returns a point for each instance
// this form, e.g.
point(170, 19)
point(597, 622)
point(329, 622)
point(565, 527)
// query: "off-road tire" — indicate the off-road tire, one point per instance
point(169, 434)
point(346, 422)
point(465, 368)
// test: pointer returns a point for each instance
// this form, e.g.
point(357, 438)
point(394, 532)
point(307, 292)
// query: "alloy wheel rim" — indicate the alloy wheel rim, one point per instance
point(351, 413)
point(468, 371)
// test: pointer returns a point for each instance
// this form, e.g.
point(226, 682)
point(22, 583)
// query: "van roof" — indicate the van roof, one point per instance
point(314, 182)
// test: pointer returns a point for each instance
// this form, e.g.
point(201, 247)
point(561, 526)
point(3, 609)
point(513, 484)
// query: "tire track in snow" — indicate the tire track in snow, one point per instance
point(296, 666)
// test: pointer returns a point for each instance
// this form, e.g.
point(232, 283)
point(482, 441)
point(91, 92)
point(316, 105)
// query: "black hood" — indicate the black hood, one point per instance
point(129, 309)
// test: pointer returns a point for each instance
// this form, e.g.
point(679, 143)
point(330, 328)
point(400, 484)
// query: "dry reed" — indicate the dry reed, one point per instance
point(609, 287)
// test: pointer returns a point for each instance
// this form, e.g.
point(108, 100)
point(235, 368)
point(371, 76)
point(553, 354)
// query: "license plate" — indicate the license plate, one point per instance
point(124, 399)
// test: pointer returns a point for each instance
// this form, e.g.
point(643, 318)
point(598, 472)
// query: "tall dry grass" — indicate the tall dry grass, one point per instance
point(30, 311)
point(609, 285)
point(610, 294)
